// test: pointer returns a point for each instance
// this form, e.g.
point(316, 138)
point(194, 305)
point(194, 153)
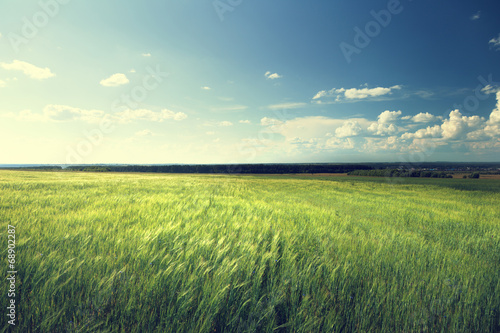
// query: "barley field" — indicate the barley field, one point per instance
point(106, 252)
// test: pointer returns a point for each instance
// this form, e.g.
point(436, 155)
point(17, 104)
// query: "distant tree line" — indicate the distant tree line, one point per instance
point(228, 168)
point(474, 175)
point(35, 168)
point(400, 173)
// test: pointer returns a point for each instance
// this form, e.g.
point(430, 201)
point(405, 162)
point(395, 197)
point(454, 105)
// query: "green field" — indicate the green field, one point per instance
point(217, 253)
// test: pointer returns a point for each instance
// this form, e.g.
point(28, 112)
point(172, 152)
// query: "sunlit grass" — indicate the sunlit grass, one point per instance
point(203, 253)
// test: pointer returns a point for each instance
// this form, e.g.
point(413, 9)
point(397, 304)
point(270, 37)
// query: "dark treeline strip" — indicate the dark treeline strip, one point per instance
point(35, 168)
point(399, 173)
point(228, 168)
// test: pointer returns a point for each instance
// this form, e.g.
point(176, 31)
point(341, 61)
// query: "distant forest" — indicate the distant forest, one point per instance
point(228, 168)
point(400, 173)
point(425, 170)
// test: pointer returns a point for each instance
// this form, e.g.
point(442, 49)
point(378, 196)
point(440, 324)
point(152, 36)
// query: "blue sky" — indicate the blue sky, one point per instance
point(232, 81)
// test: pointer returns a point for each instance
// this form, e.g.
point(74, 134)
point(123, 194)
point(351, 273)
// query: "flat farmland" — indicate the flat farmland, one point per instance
point(110, 252)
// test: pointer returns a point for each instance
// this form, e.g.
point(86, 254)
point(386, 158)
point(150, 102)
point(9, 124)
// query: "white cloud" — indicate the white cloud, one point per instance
point(210, 133)
point(423, 118)
point(206, 88)
point(383, 129)
point(495, 114)
point(146, 55)
point(320, 94)
point(229, 108)
point(495, 42)
point(286, 106)
point(132, 70)
point(270, 121)
point(245, 122)
point(148, 115)
point(489, 89)
point(272, 76)
point(115, 80)
point(350, 128)
point(144, 133)
point(388, 116)
point(353, 94)
point(225, 123)
point(429, 132)
point(2, 84)
point(385, 123)
point(61, 113)
point(457, 126)
point(28, 69)
point(476, 16)
point(25, 115)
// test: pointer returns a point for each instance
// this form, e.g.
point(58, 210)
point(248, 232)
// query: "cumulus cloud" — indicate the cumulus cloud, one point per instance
point(383, 129)
point(353, 94)
point(225, 123)
point(457, 126)
point(147, 55)
point(423, 118)
point(115, 80)
point(348, 129)
point(128, 116)
point(385, 123)
point(495, 114)
point(28, 69)
point(272, 76)
point(476, 16)
point(206, 88)
point(429, 132)
point(495, 42)
point(388, 116)
point(245, 122)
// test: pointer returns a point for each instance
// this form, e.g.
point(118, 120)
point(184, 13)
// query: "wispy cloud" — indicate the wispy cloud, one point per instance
point(286, 106)
point(245, 122)
point(206, 88)
point(225, 123)
point(476, 16)
point(230, 108)
point(28, 69)
point(147, 55)
point(353, 94)
point(495, 42)
point(128, 116)
point(272, 76)
point(115, 80)
point(144, 133)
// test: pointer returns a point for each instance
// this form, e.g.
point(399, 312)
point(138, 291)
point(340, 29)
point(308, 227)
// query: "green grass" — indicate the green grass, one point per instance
point(205, 253)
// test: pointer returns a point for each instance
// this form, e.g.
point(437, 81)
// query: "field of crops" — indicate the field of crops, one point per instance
point(103, 252)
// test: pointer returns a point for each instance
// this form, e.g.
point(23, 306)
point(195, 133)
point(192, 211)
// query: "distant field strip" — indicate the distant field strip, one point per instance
point(105, 252)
